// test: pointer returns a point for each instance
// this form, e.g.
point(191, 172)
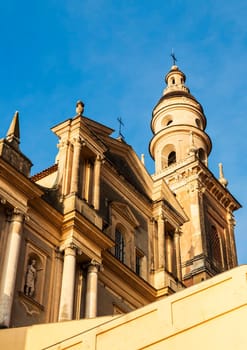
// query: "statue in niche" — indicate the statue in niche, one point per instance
point(30, 278)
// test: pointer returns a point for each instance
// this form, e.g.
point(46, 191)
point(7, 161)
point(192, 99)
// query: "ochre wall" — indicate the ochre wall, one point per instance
point(210, 315)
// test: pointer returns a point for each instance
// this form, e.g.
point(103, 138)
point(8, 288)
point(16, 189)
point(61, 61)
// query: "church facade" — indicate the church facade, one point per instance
point(95, 234)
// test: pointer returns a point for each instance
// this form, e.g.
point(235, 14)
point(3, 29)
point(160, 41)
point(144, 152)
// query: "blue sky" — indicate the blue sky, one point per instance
point(114, 54)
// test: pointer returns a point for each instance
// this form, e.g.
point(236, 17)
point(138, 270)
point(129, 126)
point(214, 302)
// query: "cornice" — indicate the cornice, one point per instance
point(77, 222)
point(19, 181)
point(129, 277)
point(170, 213)
point(48, 212)
point(193, 169)
point(219, 192)
point(179, 94)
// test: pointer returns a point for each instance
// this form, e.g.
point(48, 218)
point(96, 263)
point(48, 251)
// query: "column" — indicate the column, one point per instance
point(178, 253)
point(96, 195)
point(152, 245)
point(91, 291)
point(10, 267)
point(68, 284)
point(232, 260)
point(161, 241)
point(169, 253)
point(75, 165)
point(197, 218)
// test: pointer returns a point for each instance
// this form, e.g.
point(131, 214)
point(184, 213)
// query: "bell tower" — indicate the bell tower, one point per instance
point(180, 148)
point(178, 125)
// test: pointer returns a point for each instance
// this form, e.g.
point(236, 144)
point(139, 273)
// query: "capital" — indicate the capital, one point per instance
point(63, 143)
point(94, 266)
point(161, 217)
point(230, 218)
point(69, 248)
point(78, 142)
point(100, 158)
point(17, 215)
point(2, 200)
point(178, 231)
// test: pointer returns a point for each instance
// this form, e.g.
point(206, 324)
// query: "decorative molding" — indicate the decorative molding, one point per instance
point(78, 141)
point(194, 170)
point(125, 212)
point(63, 143)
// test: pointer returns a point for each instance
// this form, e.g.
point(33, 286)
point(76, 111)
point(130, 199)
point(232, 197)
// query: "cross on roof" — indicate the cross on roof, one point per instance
point(173, 58)
point(120, 127)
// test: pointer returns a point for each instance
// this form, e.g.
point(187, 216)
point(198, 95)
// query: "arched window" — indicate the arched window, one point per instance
point(214, 248)
point(202, 155)
point(198, 123)
point(171, 158)
point(119, 246)
point(167, 120)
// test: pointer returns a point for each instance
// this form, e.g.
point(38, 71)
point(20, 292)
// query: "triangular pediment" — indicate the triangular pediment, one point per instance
point(124, 159)
point(124, 210)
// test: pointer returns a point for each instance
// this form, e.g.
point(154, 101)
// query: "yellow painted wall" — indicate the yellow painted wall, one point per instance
point(210, 315)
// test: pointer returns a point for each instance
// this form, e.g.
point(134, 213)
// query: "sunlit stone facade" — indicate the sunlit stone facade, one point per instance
point(95, 234)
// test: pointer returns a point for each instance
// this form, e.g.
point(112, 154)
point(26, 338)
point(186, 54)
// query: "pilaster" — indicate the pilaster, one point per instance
point(10, 266)
point(178, 253)
point(77, 144)
point(232, 257)
point(96, 195)
point(161, 241)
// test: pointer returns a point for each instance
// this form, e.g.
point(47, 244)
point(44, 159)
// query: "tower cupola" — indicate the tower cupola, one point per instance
point(178, 124)
point(175, 80)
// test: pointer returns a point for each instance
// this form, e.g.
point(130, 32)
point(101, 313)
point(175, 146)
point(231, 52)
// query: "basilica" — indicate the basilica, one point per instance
point(95, 234)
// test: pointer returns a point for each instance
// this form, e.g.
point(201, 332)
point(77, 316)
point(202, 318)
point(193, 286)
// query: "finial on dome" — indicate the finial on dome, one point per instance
point(13, 134)
point(222, 179)
point(79, 108)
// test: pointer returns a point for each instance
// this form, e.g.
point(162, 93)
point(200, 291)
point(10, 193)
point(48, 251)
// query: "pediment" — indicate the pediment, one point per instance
point(161, 191)
point(124, 159)
point(124, 210)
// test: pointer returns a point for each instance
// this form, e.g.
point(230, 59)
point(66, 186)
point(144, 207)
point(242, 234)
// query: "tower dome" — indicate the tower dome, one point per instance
point(178, 124)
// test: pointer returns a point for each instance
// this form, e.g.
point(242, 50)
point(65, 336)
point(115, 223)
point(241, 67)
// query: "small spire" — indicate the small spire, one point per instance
point(79, 108)
point(222, 179)
point(13, 134)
